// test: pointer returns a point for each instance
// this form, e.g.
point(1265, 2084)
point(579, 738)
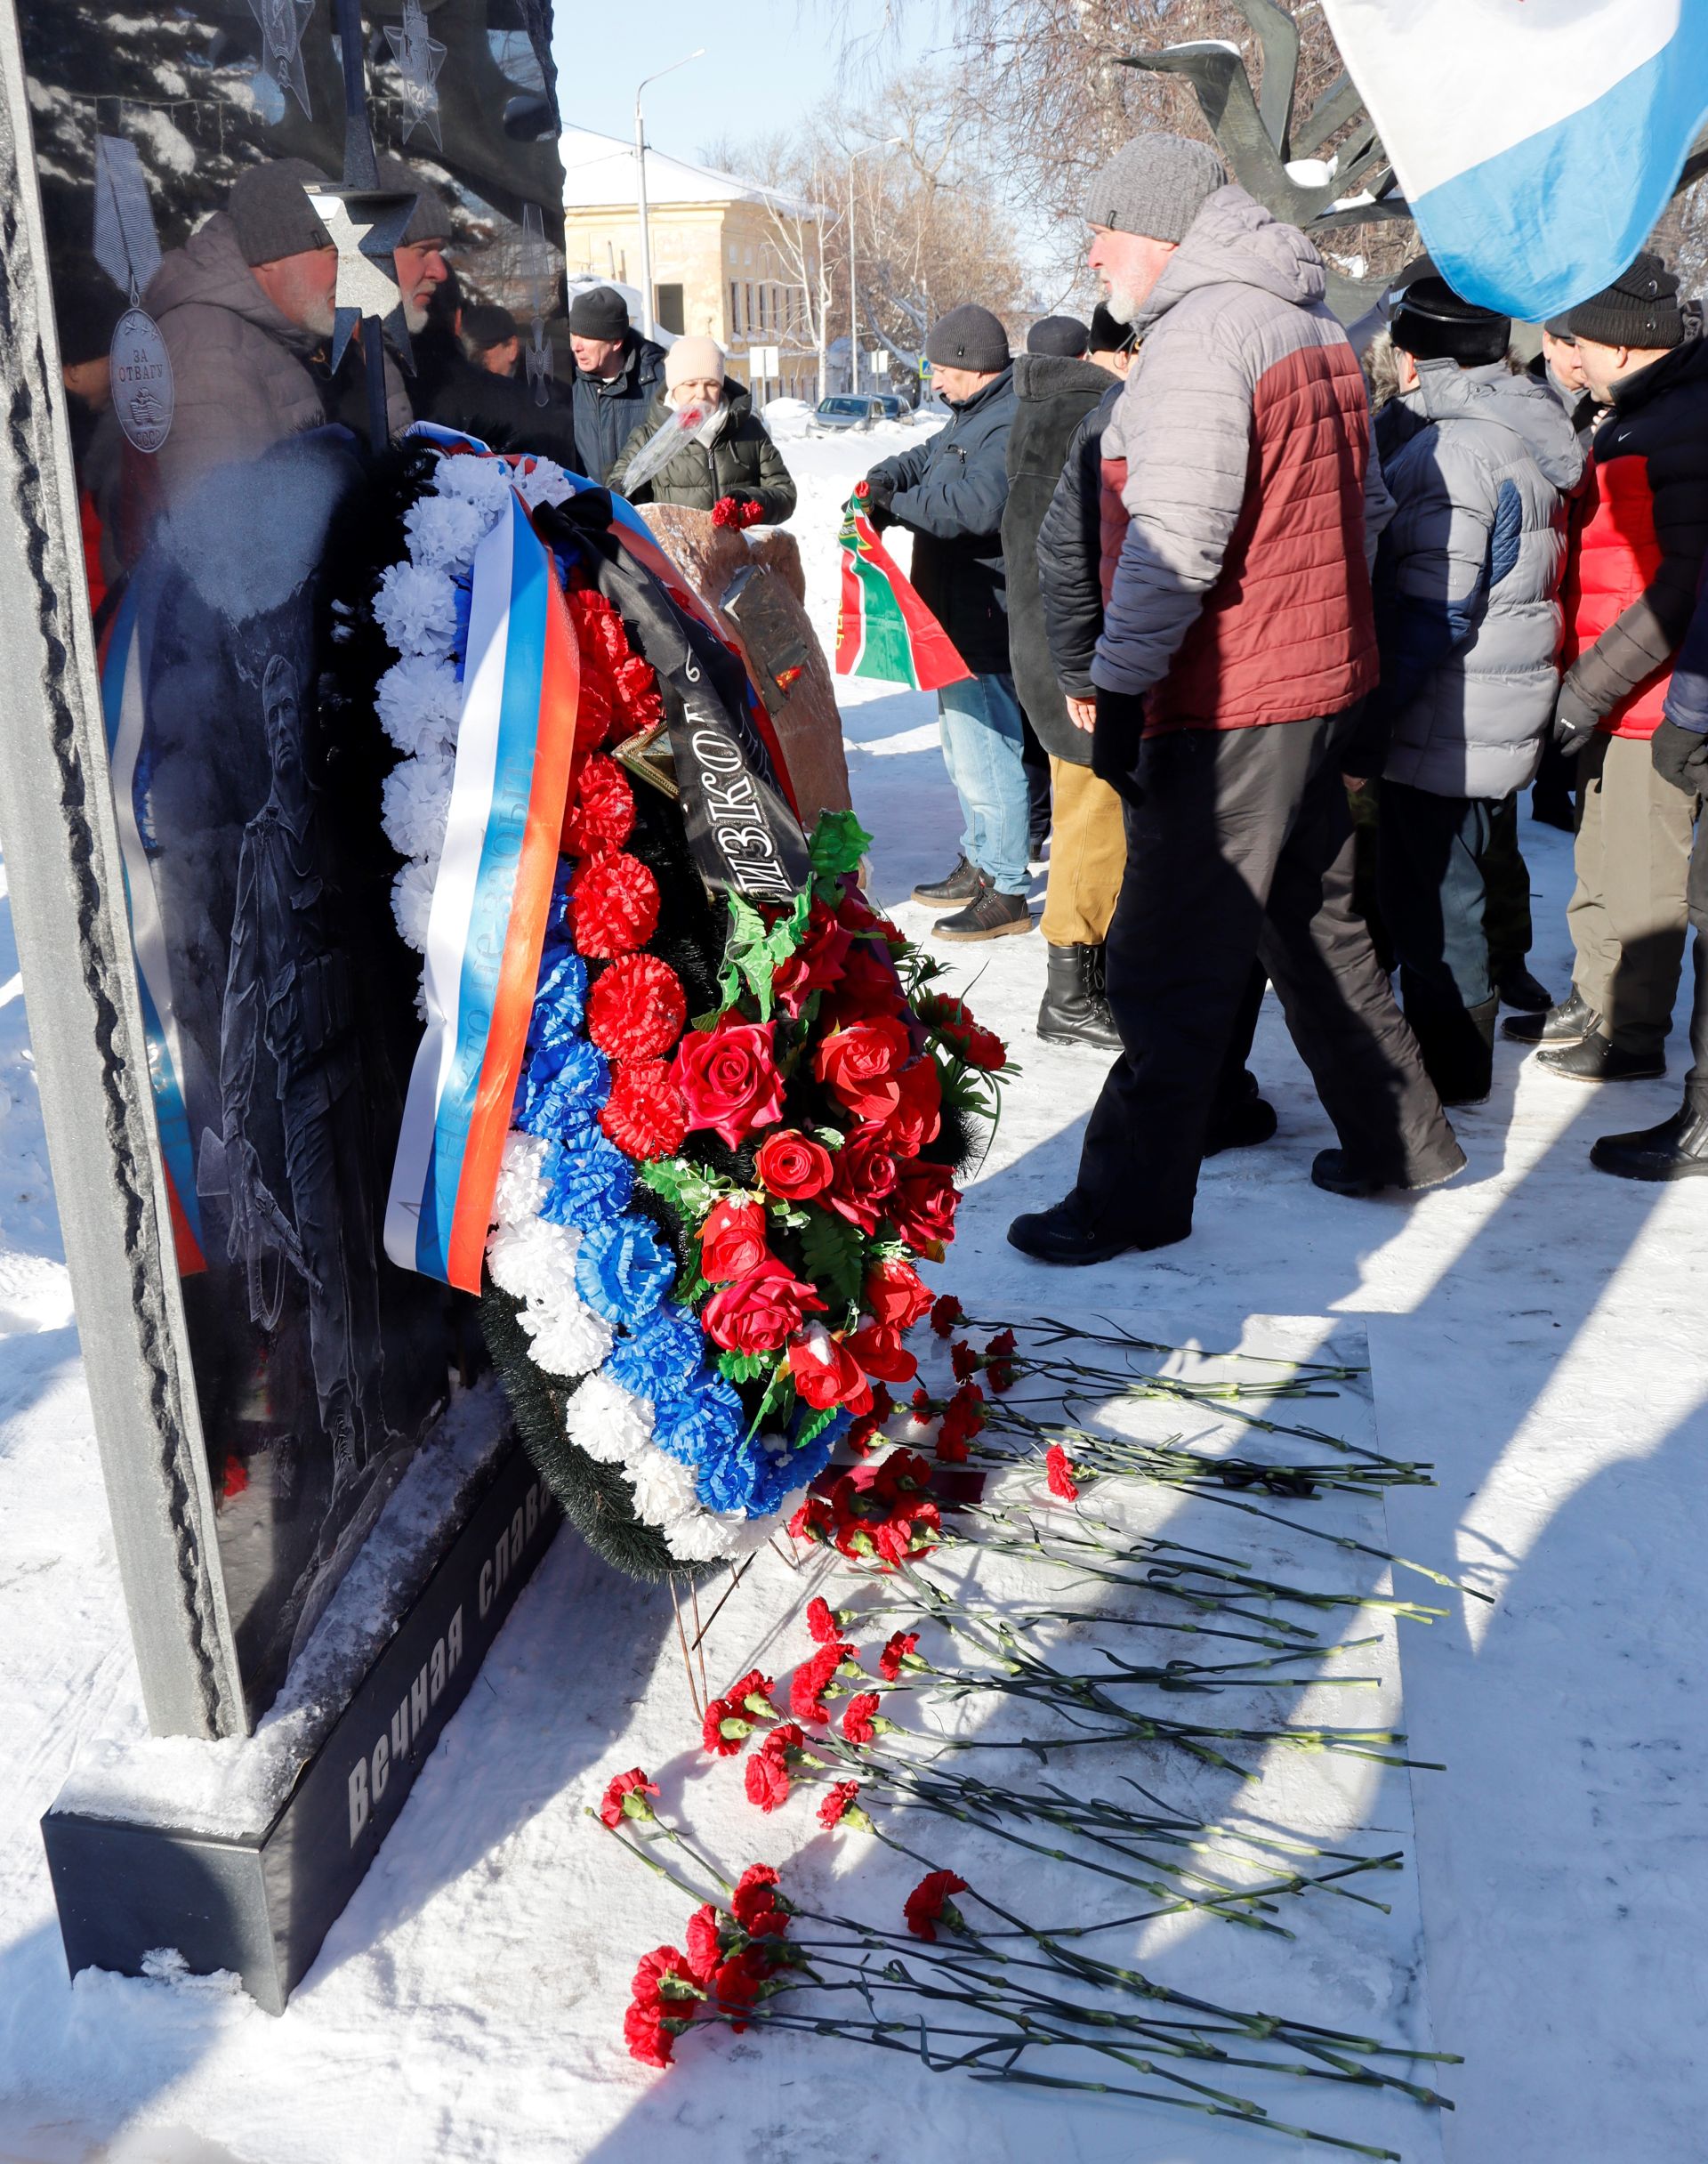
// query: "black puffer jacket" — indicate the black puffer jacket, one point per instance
point(741, 455)
point(1052, 395)
point(949, 493)
point(1071, 548)
point(607, 415)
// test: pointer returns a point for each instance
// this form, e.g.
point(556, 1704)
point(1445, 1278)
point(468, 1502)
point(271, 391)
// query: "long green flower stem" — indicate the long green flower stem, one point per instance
point(1172, 1460)
point(1053, 1333)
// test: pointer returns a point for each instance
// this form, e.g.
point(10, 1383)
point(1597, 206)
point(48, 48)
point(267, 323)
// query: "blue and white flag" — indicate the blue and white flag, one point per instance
point(1537, 140)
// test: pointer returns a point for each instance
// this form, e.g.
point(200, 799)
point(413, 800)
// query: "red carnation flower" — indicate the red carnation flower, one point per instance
point(732, 1241)
point(812, 1520)
point(951, 1446)
point(812, 1679)
point(768, 1770)
point(760, 1312)
point(837, 1803)
point(952, 1019)
point(893, 1294)
point(879, 1350)
point(859, 1066)
point(931, 1904)
point(728, 1080)
point(648, 2037)
point(923, 1208)
point(1059, 1471)
point(947, 1311)
point(635, 691)
point(963, 1359)
point(821, 1621)
point(737, 1983)
point(896, 1648)
point(857, 1718)
point(918, 1117)
point(793, 1168)
point(756, 1905)
point(999, 1362)
point(704, 1948)
point(644, 1114)
point(727, 511)
point(636, 1011)
point(663, 1977)
point(826, 1373)
point(613, 906)
point(750, 1697)
point(626, 1798)
point(602, 814)
point(866, 1178)
point(713, 1739)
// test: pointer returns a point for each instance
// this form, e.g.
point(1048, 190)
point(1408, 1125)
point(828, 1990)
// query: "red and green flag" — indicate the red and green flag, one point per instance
point(883, 627)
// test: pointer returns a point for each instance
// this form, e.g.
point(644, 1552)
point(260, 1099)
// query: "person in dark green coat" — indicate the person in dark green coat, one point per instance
point(731, 455)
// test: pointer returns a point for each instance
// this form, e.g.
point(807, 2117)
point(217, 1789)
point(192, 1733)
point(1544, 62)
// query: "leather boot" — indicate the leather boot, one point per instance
point(1074, 1010)
point(1677, 1150)
point(1568, 1023)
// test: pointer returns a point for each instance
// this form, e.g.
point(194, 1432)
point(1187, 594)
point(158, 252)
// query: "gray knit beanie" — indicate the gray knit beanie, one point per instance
point(431, 219)
point(1155, 185)
point(968, 337)
point(271, 215)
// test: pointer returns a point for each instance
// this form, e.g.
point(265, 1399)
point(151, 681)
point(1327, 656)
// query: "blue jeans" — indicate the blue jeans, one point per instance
point(978, 723)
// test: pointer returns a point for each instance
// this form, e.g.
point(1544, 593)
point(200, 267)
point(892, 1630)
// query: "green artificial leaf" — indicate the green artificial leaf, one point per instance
point(832, 1253)
point(745, 1367)
point(839, 842)
point(813, 1427)
point(690, 1191)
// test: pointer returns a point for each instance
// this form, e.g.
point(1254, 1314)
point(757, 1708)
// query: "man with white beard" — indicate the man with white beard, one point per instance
point(246, 309)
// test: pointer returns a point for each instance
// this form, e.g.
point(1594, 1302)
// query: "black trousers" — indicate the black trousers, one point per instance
point(1696, 1083)
point(1239, 852)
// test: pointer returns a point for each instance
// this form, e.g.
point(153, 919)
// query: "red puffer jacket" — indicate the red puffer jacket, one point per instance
point(1640, 530)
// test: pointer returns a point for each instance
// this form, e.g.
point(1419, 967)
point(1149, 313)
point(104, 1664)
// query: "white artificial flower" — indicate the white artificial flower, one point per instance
point(609, 1421)
point(703, 1538)
point(484, 482)
point(522, 1177)
point(535, 1261)
point(414, 804)
point(569, 1339)
point(445, 531)
point(416, 609)
point(544, 483)
point(665, 1493)
point(419, 702)
point(412, 903)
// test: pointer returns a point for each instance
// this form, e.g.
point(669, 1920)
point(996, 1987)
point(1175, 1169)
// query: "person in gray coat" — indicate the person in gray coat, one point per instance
point(1469, 621)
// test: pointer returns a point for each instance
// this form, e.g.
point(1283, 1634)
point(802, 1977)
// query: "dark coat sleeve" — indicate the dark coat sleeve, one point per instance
point(775, 483)
point(1686, 696)
point(1069, 559)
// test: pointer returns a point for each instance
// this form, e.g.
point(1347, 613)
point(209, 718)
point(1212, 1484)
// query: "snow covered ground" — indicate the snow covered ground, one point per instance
point(1534, 1330)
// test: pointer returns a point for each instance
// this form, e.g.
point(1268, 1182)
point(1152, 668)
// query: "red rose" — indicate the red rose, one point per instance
point(857, 1718)
point(824, 949)
point(918, 1117)
point(732, 1241)
point(791, 986)
point(602, 815)
point(636, 1011)
point(836, 1804)
point(922, 1210)
point(866, 1178)
point(896, 1649)
point(879, 1349)
point(613, 906)
point(756, 1905)
point(758, 1312)
point(812, 1679)
point(826, 1373)
point(929, 1904)
point(728, 1080)
point(617, 1806)
point(859, 1066)
point(644, 1114)
point(946, 1313)
point(1059, 1471)
point(893, 1294)
point(647, 2037)
point(792, 1167)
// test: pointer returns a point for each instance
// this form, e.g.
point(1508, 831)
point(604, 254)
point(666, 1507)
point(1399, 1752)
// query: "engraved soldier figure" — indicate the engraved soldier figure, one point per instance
point(287, 991)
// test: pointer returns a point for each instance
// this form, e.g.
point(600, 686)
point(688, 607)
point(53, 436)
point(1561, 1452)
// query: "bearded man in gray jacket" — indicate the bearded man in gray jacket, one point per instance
point(1468, 622)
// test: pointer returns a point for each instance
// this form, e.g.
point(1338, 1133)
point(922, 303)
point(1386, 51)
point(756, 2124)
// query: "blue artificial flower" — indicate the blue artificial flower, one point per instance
point(730, 1479)
point(697, 1422)
point(624, 1270)
point(462, 597)
point(561, 996)
point(665, 1360)
point(562, 1088)
point(590, 1181)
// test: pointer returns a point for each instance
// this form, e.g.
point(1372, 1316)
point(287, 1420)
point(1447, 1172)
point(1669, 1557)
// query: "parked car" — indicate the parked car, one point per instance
point(832, 416)
point(893, 409)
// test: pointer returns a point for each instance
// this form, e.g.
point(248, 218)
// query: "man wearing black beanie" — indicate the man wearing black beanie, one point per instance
point(1639, 534)
point(617, 373)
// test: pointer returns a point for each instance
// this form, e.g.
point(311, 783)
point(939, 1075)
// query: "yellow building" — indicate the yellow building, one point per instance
point(732, 259)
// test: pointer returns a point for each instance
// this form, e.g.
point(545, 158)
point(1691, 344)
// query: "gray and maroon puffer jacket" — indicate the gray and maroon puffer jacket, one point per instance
point(1242, 596)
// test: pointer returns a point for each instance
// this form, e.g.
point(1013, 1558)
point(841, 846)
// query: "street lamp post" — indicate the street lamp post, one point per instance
point(853, 282)
point(648, 326)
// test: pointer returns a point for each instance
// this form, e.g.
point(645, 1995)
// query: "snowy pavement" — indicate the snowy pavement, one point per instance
point(1534, 1330)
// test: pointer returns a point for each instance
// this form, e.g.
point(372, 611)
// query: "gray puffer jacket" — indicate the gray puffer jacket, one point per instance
point(241, 372)
point(1468, 578)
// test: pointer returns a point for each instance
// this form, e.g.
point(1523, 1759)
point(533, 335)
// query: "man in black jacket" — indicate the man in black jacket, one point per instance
point(949, 493)
point(617, 375)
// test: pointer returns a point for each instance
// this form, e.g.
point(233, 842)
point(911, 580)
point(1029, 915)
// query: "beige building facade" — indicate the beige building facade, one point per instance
point(731, 260)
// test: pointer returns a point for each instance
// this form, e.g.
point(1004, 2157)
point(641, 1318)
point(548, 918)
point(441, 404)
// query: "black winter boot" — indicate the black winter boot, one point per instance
point(1598, 1059)
point(961, 884)
point(1074, 1010)
point(1064, 1234)
point(1458, 1048)
point(1677, 1150)
point(1568, 1023)
point(1333, 1171)
point(988, 916)
point(1240, 1122)
point(1518, 989)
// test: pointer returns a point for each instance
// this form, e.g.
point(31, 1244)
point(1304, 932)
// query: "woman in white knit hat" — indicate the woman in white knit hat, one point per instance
point(730, 453)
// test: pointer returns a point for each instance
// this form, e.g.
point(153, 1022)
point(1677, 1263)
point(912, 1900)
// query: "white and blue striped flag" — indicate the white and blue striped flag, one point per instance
point(1537, 140)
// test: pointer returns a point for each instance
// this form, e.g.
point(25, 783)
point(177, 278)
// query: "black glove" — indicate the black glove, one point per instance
point(879, 494)
point(1114, 741)
point(1575, 721)
point(1364, 734)
point(1680, 756)
point(743, 495)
